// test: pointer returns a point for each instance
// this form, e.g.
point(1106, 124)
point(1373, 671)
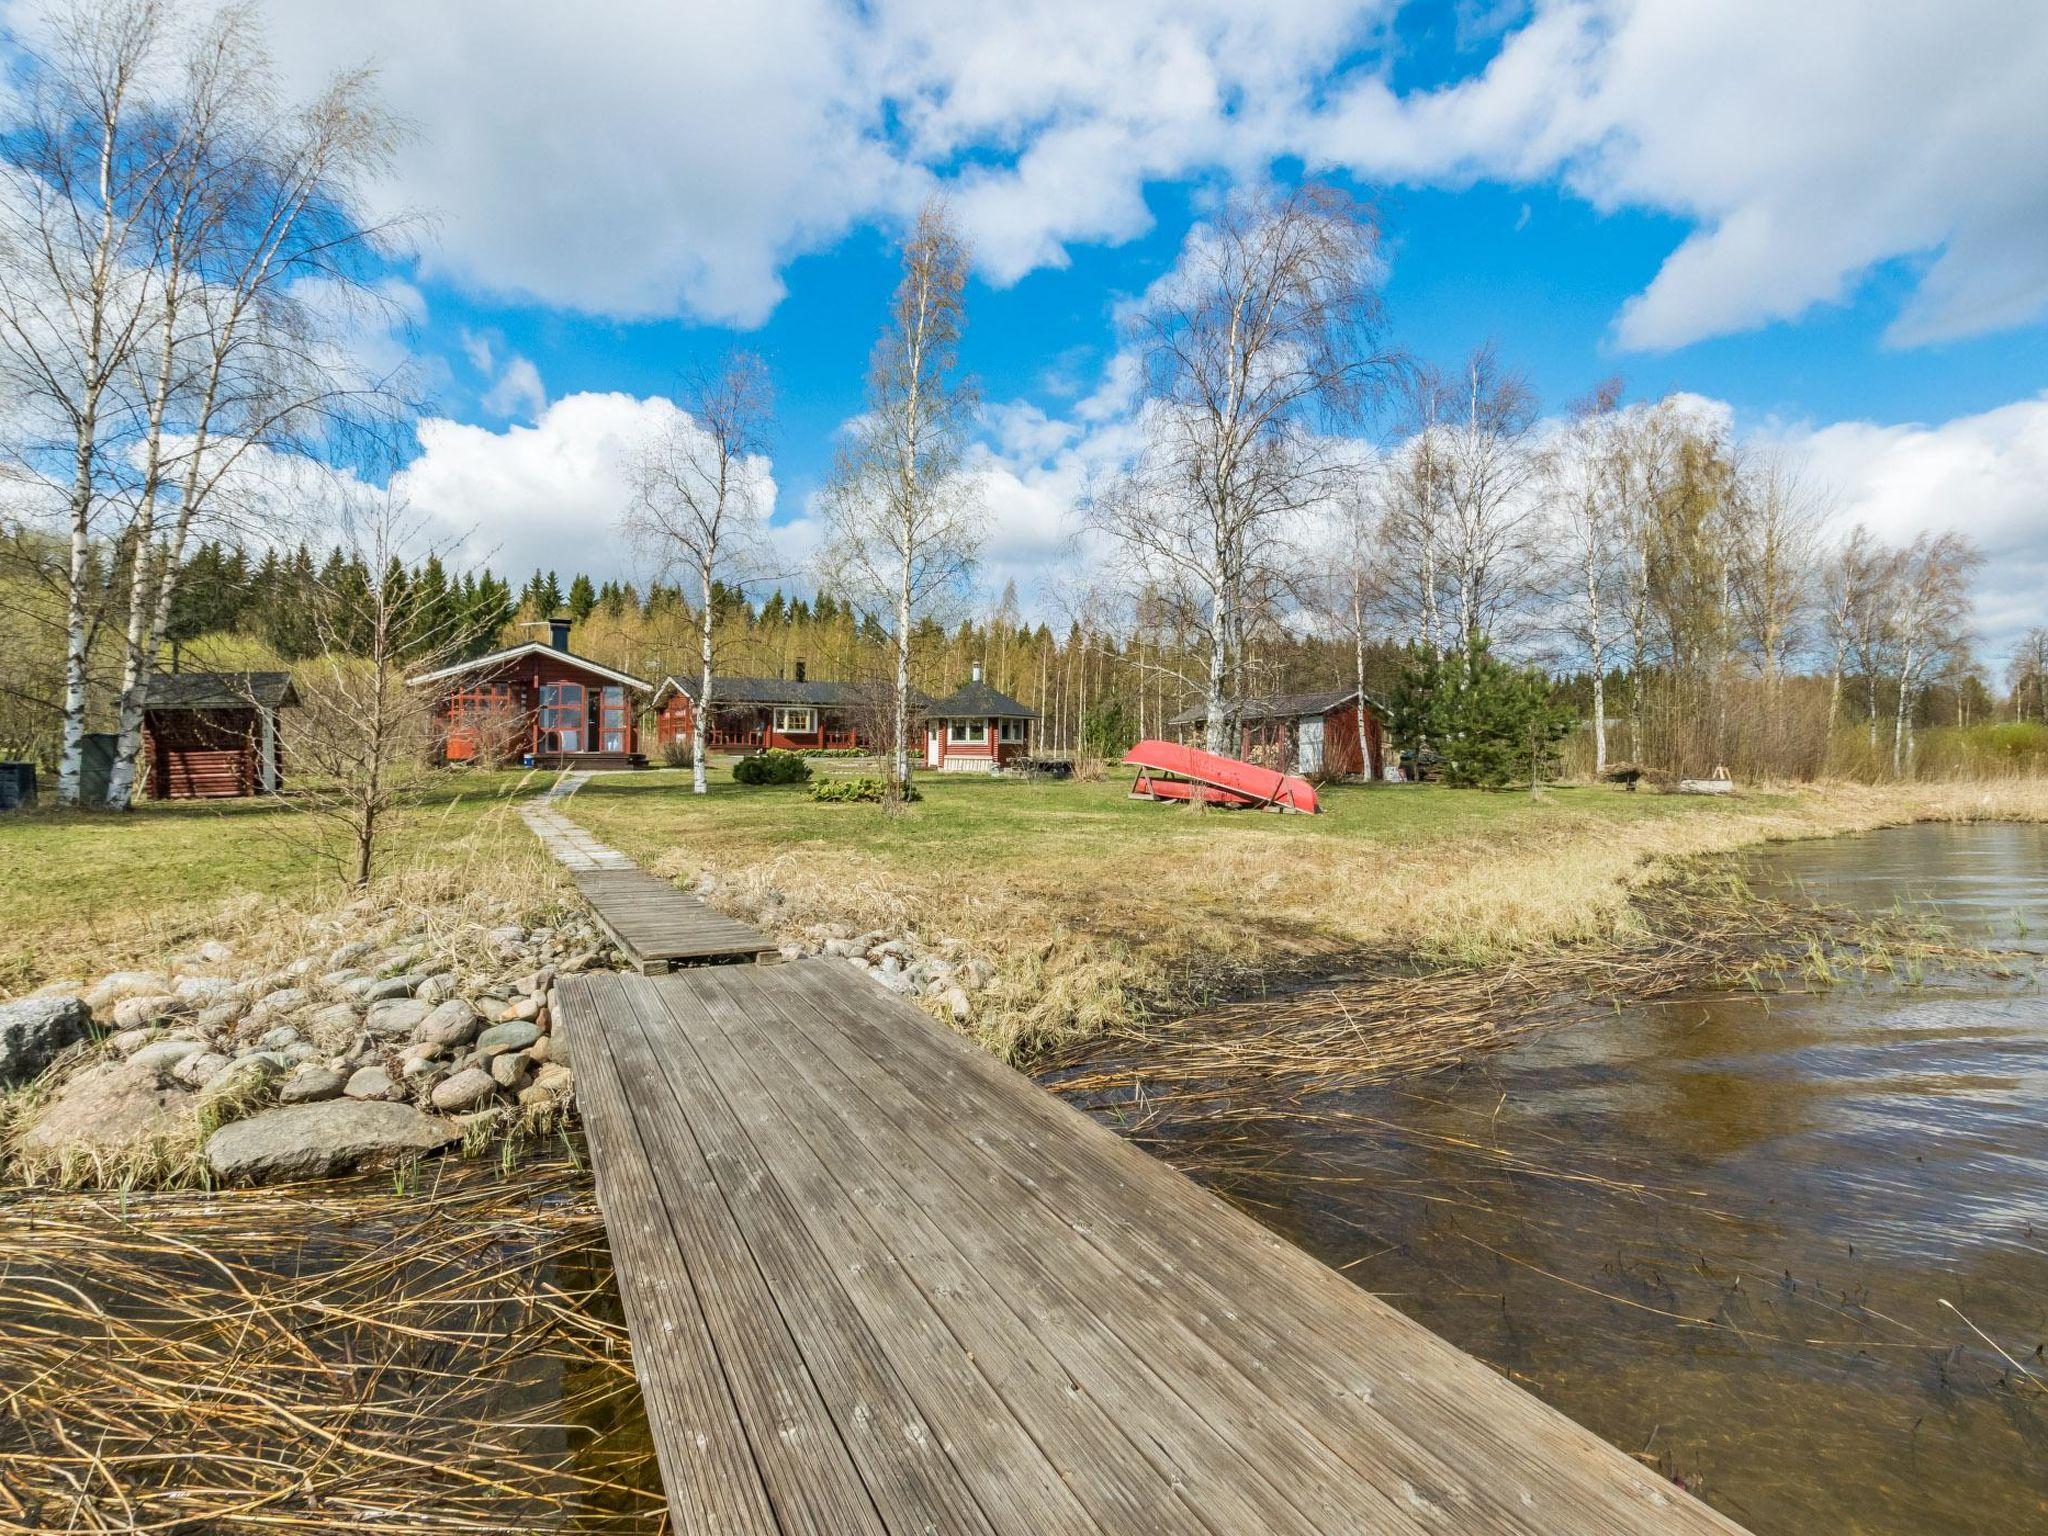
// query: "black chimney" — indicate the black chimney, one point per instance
point(799, 671)
point(558, 634)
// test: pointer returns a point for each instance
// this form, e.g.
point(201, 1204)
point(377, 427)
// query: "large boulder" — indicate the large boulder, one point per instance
point(34, 1030)
point(104, 1114)
point(317, 1141)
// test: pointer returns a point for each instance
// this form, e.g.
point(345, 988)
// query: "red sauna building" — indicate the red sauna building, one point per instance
point(541, 702)
point(975, 729)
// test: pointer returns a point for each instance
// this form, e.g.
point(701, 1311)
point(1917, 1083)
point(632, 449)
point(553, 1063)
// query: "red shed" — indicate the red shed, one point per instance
point(1307, 733)
point(541, 701)
point(214, 735)
point(975, 729)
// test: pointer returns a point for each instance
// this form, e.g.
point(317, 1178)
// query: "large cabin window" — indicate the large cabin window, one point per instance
point(562, 719)
point(796, 722)
point(966, 733)
point(1011, 732)
point(612, 720)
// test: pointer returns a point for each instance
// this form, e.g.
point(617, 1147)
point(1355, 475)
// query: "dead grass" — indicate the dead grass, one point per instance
point(295, 1360)
point(91, 892)
point(1099, 912)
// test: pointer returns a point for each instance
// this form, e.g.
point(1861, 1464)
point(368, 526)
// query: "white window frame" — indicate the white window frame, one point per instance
point(795, 721)
point(958, 733)
point(1011, 733)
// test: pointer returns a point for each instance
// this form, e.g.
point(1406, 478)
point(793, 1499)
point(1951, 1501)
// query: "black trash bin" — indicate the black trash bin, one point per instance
point(17, 785)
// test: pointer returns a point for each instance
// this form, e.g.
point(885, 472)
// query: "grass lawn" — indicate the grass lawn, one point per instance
point(88, 892)
point(1091, 904)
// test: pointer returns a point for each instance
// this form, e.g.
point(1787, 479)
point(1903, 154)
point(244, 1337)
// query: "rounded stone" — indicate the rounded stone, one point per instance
point(312, 1085)
point(467, 1089)
point(372, 1082)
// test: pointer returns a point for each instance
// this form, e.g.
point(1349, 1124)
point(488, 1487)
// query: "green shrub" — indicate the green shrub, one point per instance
point(838, 752)
point(861, 787)
point(772, 767)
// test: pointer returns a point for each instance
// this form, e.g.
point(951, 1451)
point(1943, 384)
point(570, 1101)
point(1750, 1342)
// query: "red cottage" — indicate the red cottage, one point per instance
point(976, 729)
point(749, 714)
point(214, 735)
point(539, 702)
point(1307, 733)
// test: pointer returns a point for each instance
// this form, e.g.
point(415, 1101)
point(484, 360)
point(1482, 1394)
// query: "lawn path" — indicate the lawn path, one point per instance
point(569, 845)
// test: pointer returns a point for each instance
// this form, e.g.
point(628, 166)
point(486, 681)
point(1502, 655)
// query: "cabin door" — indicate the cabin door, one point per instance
point(1310, 758)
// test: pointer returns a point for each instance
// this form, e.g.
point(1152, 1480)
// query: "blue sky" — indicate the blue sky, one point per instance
point(1829, 217)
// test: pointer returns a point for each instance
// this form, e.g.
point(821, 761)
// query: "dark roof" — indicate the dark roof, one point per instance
point(1279, 706)
point(221, 690)
point(971, 701)
point(768, 690)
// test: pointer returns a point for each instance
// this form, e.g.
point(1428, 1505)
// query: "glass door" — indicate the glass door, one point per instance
point(561, 717)
point(613, 721)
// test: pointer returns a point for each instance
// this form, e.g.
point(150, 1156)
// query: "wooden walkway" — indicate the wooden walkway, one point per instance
point(658, 927)
point(878, 1282)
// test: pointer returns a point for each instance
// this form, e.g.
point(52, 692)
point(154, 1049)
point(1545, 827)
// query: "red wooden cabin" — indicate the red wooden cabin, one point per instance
point(1306, 733)
point(751, 714)
point(540, 702)
point(214, 735)
point(975, 729)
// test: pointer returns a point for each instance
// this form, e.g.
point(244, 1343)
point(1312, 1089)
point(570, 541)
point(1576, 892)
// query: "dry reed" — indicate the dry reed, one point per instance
point(364, 1356)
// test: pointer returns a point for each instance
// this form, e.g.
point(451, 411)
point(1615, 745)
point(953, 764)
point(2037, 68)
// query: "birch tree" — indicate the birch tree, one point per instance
point(1489, 471)
point(701, 497)
point(264, 261)
point(84, 169)
point(902, 522)
point(1930, 622)
point(1580, 485)
point(1773, 521)
point(1258, 349)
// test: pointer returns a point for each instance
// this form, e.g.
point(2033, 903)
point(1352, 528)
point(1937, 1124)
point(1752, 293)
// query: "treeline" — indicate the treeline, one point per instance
point(298, 606)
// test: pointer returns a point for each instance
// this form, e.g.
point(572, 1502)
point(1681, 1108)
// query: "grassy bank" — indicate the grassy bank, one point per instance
point(89, 892)
point(1096, 908)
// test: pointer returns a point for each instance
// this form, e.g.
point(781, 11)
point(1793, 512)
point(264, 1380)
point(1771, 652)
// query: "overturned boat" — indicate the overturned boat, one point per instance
point(1169, 771)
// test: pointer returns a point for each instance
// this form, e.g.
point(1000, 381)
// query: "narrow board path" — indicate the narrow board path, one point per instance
point(878, 1282)
point(655, 926)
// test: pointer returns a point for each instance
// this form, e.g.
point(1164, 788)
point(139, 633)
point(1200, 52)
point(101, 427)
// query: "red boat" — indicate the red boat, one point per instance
point(1220, 781)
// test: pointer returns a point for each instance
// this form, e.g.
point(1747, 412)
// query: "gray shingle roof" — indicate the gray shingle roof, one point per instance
point(221, 690)
point(971, 701)
point(1279, 706)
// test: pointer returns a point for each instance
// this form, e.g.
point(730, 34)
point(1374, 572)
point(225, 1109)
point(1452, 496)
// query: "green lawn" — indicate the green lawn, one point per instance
point(1087, 900)
point(85, 891)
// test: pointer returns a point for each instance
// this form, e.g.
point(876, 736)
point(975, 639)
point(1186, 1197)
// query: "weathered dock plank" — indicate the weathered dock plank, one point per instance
point(658, 927)
point(920, 1294)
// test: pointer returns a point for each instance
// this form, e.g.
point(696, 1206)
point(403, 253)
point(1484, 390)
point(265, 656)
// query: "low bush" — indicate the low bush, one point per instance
point(837, 752)
point(676, 752)
point(864, 787)
point(772, 767)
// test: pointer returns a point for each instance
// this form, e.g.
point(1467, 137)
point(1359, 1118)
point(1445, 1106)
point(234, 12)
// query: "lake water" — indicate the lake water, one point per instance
point(1750, 1238)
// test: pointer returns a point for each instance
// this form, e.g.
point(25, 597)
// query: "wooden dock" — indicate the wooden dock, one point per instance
point(658, 927)
point(878, 1282)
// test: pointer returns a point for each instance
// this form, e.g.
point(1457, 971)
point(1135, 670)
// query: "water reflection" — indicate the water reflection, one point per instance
point(1721, 1229)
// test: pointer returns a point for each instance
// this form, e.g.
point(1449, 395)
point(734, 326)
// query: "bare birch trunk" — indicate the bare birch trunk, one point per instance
point(700, 717)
